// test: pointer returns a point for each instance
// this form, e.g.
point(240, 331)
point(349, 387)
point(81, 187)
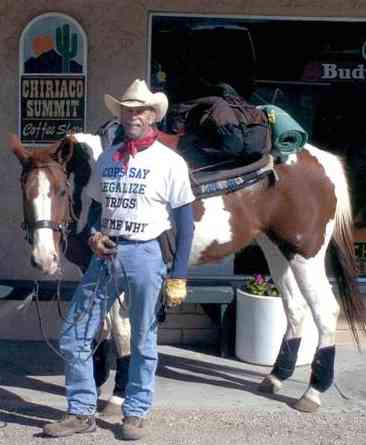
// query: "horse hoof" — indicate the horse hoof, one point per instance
point(306, 405)
point(269, 385)
point(113, 408)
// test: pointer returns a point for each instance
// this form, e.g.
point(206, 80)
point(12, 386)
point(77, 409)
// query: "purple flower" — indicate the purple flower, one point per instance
point(259, 279)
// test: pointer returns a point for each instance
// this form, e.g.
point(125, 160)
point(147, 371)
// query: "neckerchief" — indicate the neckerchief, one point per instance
point(131, 147)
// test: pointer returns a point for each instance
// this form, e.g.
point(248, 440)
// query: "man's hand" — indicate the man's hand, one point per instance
point(102, 245)
point(175, 291)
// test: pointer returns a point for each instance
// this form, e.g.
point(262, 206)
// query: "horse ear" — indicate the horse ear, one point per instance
point(20, 151)
point(64, 149)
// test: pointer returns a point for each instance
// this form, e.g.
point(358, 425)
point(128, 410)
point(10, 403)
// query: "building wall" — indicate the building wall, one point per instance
point(185, 325)
point(117, 34)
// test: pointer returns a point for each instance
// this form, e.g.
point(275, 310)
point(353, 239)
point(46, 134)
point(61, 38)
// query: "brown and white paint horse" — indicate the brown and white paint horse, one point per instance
point(293, 221)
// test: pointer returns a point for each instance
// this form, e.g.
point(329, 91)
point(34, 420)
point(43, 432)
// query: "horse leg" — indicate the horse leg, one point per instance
point(316, 289)
point(296, 309)
point(102, 355)
point(121, 335)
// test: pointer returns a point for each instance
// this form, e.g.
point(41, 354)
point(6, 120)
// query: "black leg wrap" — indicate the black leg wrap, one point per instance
point(121, 378)
point(102, 362)
point(322, 368)
point(286, 360)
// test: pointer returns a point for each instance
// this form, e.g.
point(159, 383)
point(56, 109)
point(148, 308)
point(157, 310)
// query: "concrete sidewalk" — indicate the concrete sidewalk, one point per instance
point(200, 399)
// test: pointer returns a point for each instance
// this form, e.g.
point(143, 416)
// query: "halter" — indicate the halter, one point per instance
point(62, 227)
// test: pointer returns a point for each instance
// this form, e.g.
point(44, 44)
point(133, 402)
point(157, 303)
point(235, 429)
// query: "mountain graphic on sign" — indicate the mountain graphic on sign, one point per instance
point(49, 60)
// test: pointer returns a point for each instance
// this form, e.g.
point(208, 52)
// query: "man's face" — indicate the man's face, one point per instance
point(137, 121)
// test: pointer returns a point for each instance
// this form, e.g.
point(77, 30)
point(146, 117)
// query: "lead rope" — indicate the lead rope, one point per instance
point(64, 233)
point(35, 294)
point(113, 266)
point(340, 392)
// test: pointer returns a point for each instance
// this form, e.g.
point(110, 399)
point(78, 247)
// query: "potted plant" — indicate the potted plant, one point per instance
point(261, 285)
point(261, 324)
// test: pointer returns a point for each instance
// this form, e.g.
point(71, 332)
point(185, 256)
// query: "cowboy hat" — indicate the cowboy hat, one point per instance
point(138, 95)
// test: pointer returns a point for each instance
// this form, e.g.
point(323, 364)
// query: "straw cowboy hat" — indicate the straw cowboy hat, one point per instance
point(138, 95)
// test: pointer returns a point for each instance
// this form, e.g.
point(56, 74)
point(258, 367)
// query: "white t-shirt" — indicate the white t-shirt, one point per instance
point(136, 204)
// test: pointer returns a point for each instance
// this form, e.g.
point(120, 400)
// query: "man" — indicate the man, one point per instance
point(142, 186)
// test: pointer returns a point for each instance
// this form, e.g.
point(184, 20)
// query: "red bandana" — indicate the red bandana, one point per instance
point(131, 146)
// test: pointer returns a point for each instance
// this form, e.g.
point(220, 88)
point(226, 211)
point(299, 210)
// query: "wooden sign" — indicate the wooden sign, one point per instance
point(52, 72)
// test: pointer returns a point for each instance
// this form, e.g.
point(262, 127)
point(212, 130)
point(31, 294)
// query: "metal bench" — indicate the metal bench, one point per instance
point(217, 295)
point(5, 291)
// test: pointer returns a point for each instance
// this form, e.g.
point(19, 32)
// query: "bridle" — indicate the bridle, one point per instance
point(63, 226)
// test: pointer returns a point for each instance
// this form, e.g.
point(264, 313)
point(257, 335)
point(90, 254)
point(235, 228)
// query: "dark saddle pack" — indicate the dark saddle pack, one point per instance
point(225, 141)
point(217, 128)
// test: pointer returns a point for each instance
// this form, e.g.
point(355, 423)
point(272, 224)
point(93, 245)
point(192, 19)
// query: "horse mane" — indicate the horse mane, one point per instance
point(168, 139)
point(86, 149)
point(40, 155)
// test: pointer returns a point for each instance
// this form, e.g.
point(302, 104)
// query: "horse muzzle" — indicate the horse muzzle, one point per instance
point(47, 263)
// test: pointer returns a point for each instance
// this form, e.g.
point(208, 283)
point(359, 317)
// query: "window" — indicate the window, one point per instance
point(314, 69)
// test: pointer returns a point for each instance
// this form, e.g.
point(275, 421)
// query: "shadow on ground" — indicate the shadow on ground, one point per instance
point(23, 364)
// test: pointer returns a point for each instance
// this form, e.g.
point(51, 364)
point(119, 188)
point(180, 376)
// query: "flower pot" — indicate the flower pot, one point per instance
point(260, 326)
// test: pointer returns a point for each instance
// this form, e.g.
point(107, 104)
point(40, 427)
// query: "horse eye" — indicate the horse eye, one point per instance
point(62, 193)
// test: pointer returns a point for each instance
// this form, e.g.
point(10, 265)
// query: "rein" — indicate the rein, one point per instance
point(62, 227)
point(104, 271)
point(29, 225)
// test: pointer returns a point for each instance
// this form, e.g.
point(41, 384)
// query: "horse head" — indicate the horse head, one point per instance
point(53, 179)
point(46, 198)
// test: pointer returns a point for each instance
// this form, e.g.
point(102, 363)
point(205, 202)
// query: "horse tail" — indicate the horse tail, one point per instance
point(344, 260)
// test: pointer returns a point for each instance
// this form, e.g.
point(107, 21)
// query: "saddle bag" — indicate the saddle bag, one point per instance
point(254, 127)
point(220, 128)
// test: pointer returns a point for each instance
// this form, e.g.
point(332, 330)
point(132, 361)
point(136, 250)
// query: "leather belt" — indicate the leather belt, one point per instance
point(119, 239)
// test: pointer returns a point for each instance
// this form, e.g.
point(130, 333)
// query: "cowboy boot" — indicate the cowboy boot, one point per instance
point(70, 424)
point(132, 428)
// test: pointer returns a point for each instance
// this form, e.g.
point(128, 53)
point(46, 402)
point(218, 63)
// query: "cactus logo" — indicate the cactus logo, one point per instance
point(53, 52)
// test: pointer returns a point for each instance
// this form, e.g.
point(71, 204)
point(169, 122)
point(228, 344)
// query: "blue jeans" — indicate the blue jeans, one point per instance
point(141, 271)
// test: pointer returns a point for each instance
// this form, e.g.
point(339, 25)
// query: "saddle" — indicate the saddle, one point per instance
point(211, 181)
point(219, 173)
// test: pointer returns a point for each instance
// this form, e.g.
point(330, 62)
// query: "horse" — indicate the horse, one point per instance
point(65, 229)
point(296, 220)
